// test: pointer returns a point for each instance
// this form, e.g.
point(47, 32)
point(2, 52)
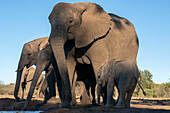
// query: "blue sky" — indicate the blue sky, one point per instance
point(22, 21)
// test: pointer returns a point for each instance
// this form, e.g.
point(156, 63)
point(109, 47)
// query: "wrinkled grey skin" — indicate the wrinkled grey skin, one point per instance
point(44, 64)
point(27, 76)
point(96, 36)
point(28, 58)
point(124, 74)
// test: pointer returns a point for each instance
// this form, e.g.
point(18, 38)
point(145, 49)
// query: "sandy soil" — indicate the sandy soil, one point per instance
point(138, 105)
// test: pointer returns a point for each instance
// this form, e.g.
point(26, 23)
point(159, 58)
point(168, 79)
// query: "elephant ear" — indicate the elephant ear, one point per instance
point(95, 23)
point(43, 44)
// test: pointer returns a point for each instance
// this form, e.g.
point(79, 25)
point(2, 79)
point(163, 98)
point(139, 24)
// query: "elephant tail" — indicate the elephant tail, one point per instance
point(139, 83)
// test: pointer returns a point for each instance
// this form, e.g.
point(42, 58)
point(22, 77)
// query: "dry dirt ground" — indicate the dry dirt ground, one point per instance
point(138, 105)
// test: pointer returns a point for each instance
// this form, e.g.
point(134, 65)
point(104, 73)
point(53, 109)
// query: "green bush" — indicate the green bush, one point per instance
point(152, 90)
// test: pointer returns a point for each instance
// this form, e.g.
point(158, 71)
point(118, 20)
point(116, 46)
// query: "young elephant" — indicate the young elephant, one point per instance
point(26, 80)
point(48, 86)
point(124, 74)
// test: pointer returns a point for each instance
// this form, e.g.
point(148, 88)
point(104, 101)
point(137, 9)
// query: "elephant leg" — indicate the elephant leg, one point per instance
point(128, 97)
point(104, 96)
point(73, 101)
point(103, 92)
point(59, 85)
point(45, 93)
point(110, 86)
point(20, 91)
point(44, 89)
point(28, 86)
point(93, 87)
point(39, 92)
point(121, 99)
point(71, 64)
point(23, 88)
point(51, 84)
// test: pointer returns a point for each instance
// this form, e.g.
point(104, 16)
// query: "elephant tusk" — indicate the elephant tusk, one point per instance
point(47, 44)
point(19, 69)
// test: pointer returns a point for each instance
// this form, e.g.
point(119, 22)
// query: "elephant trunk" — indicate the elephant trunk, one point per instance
point(19, 71)
point(17, 85)
point(38, 71)
point(57, 44)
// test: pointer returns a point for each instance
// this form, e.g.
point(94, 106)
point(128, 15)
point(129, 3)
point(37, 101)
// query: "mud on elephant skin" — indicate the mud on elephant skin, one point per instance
point(28, 58)
point(124, 74)
point(96, 36)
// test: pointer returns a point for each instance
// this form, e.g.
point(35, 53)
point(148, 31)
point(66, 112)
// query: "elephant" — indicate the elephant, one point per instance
point(28, 58)
point(27, 76)
point(84, 33)
point(44, 63)
point(124, 74)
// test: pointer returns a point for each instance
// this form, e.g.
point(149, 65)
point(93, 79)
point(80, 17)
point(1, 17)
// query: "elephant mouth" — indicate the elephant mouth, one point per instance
point(70, 35)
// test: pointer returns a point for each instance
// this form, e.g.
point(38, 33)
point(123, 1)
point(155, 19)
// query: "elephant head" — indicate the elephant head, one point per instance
point(28, 58)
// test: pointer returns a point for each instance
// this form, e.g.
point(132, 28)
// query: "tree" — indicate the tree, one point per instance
point(147, 79)
point(146, 82)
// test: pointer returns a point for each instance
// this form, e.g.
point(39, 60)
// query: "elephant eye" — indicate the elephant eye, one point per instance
point(29, 54)
point(70, 21)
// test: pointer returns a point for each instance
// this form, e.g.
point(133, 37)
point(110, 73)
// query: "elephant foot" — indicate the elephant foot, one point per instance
point(22, 99)
point(108, 105)
point(64, 105)
point(98, 104)
point(113, 102)
point(119, 106)
point(127, 106)
point(17, 99)
point(94, 103)
point(73, 103)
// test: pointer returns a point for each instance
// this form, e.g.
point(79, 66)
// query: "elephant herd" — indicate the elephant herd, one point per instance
point(85, 44)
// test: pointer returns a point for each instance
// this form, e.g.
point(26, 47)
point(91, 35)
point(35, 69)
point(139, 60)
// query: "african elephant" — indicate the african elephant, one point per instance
point(27, 76)
point(84, 33)
point(44, 64)
point(124, 74)
point(45, 57)
point(28, 58)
